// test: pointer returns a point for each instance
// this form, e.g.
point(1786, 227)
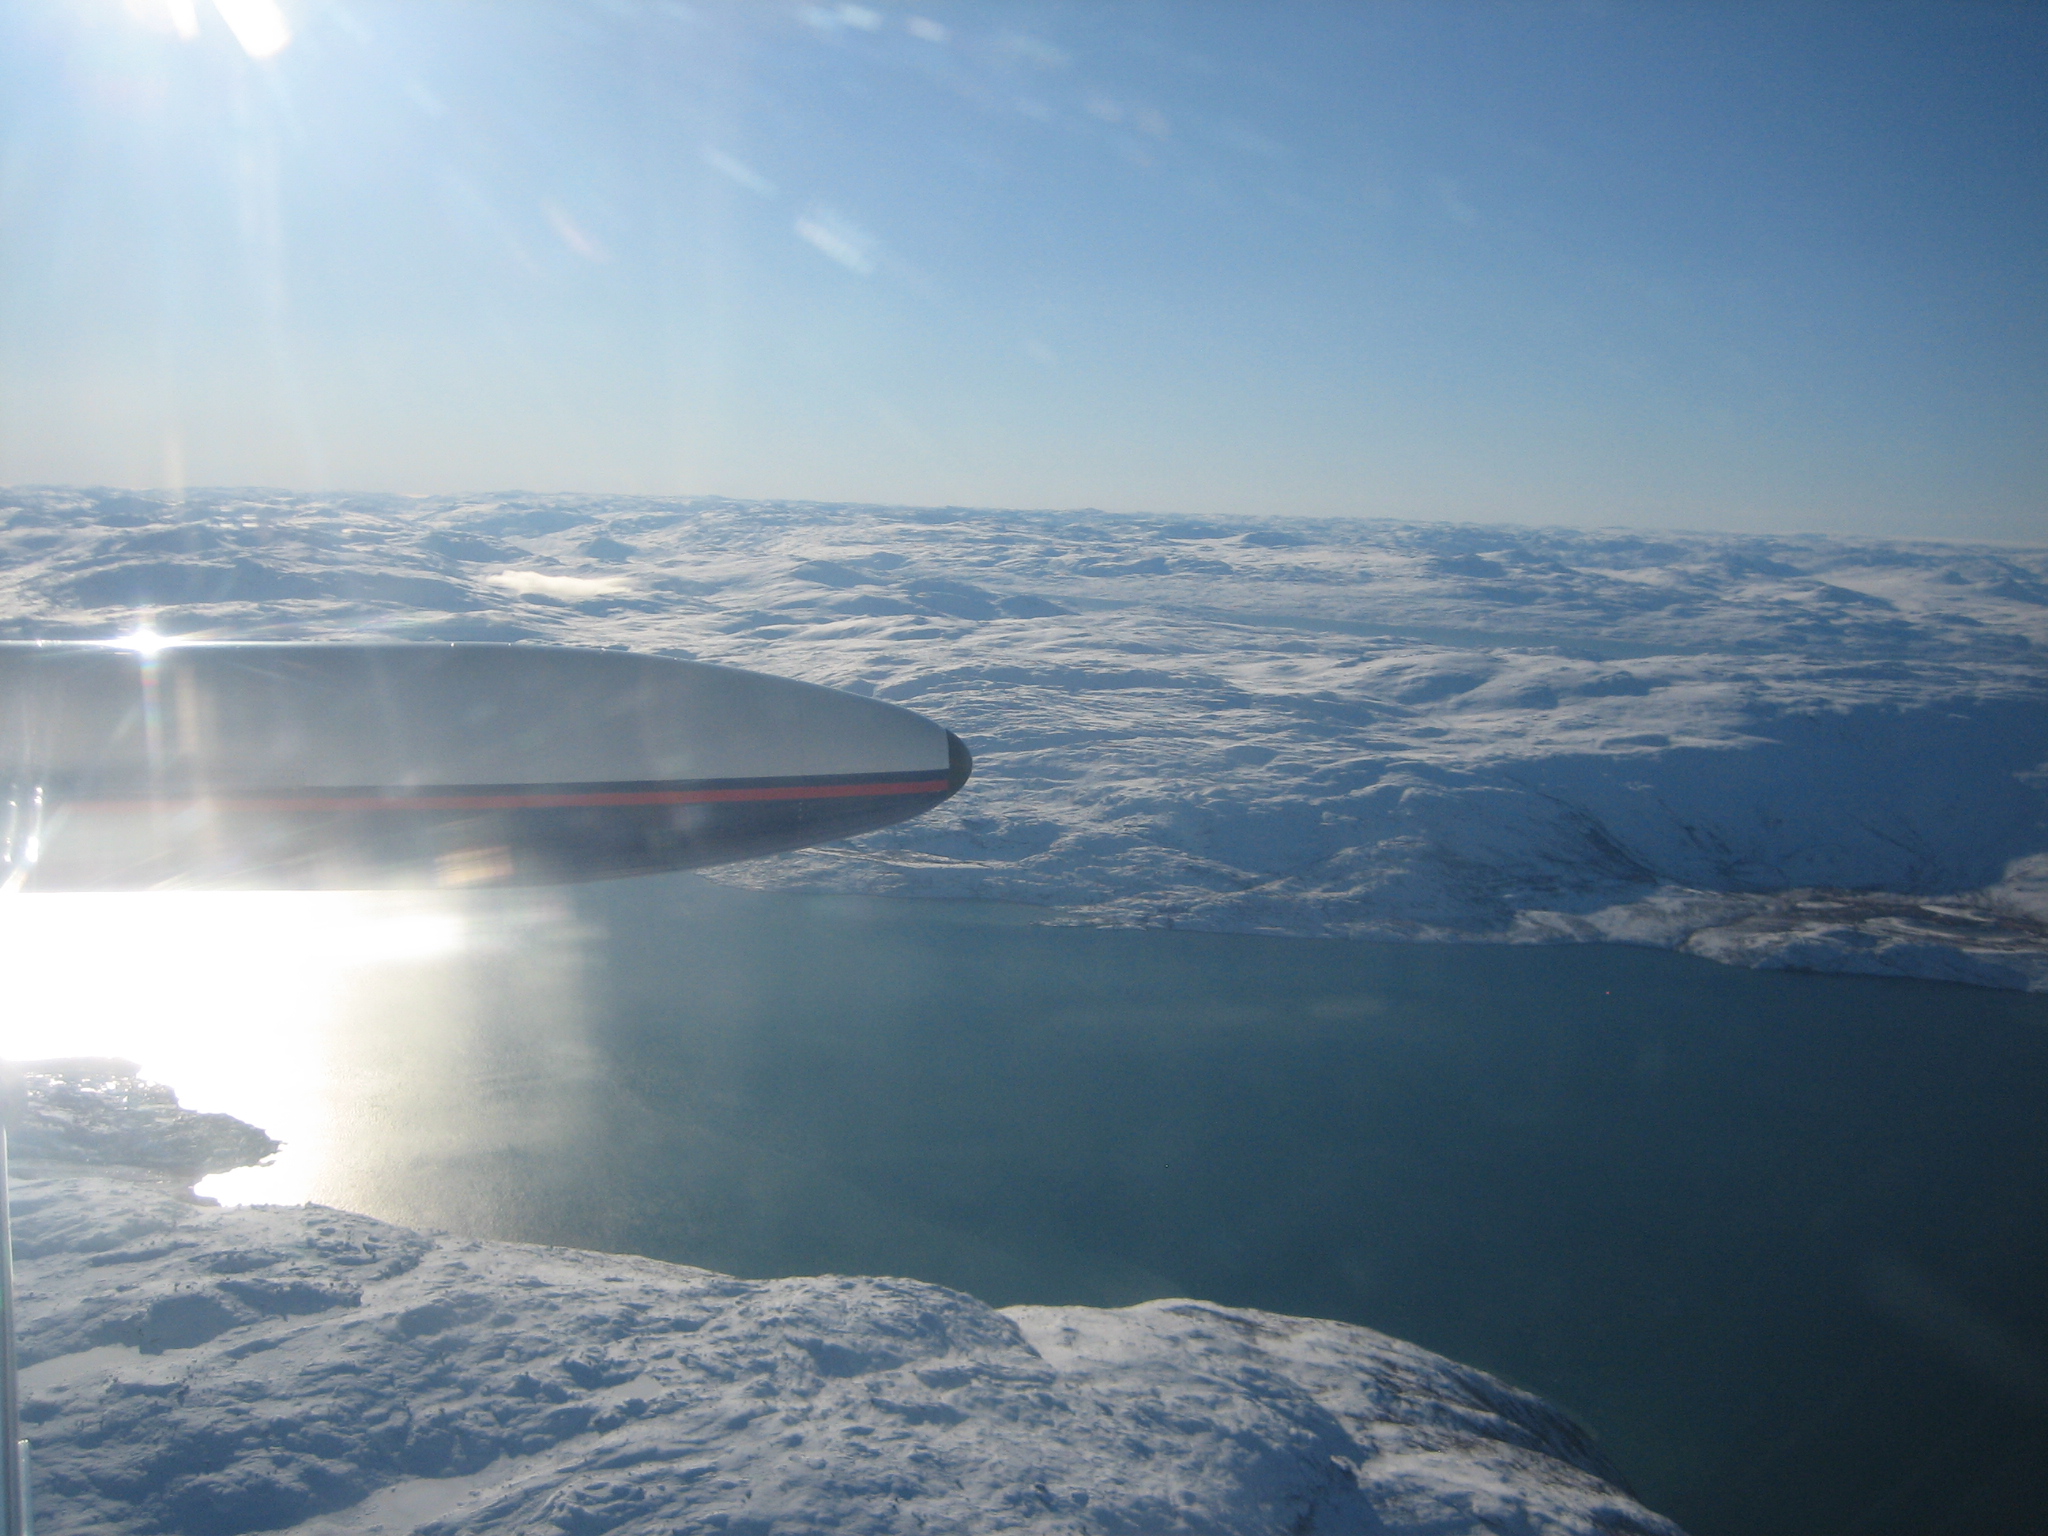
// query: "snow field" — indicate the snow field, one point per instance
point(1790, 751)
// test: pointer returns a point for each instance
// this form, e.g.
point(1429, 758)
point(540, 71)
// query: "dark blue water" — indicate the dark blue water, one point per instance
point(1780, 1240)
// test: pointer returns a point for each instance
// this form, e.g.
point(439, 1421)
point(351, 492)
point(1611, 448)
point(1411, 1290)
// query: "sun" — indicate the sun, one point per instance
point(142, 640)
point(258, 25)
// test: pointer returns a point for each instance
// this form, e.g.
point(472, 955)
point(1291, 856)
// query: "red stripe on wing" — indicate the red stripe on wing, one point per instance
point(549, 800)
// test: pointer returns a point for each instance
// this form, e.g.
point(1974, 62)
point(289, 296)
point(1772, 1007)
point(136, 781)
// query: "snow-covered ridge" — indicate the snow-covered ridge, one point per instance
point(212, 1372)
point(1825, 753)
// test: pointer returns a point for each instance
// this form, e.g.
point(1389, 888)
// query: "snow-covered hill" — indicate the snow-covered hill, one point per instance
point(220, 1371)
point(210, 1372)
point(1801, 751)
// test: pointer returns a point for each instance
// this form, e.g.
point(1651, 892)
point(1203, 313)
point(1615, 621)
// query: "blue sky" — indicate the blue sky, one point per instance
point(1780, 267)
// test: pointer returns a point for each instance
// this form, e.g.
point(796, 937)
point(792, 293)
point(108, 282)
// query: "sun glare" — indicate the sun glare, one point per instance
point(231, 998)
point(183, 16)
point(144, 642)
point(259, 26)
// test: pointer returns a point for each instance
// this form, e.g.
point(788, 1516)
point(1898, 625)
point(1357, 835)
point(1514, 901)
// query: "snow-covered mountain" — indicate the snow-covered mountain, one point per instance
point(220, 1371)
point(210, 1372)
point(1794, 751)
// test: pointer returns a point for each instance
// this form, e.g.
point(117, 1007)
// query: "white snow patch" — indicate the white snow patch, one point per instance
point(547, 584)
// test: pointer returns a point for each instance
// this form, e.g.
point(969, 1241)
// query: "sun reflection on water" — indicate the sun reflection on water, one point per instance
point(234, 999)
